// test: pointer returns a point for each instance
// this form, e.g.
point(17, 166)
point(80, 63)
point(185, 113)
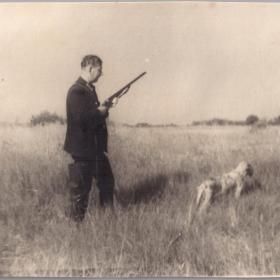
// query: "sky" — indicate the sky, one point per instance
point(203, 59)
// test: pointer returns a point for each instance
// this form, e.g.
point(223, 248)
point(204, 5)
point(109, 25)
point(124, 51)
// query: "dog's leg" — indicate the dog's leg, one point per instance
point(200, 191)
point(207, 199)
point(239, 188)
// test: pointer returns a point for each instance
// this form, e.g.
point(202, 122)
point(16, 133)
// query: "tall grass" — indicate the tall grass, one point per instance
point(152, 232)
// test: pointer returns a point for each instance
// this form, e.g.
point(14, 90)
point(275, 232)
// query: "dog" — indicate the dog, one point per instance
point(238, 181)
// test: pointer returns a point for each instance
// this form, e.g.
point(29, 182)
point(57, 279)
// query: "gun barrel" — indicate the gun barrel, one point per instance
point(126, 86)
point(137, 78)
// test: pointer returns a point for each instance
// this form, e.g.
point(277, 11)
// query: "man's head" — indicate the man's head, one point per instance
point(91, 68)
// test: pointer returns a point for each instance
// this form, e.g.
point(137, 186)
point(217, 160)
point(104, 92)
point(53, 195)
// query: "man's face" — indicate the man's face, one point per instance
point(94, 73)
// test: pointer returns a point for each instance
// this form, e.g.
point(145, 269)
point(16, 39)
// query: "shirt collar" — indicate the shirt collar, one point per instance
point(85, 83)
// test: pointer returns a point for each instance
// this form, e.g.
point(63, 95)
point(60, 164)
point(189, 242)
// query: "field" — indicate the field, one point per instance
point(150, 234)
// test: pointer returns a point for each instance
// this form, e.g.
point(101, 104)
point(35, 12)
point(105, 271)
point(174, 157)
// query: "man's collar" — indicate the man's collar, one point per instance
point(81, 81)
point(85, 83)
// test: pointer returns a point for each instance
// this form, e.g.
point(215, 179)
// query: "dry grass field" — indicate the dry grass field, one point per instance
point(150, 234)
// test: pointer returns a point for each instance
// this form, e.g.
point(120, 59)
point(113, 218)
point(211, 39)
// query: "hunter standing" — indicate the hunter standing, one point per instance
point(86, 140)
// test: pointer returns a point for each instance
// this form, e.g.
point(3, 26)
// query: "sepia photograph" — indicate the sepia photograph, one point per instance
point(139, 139)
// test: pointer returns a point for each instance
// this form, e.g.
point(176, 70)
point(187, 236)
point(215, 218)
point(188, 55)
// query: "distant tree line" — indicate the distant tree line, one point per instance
point(46, 117)
point(155, 125)
point(250, 120)
point(217, 121)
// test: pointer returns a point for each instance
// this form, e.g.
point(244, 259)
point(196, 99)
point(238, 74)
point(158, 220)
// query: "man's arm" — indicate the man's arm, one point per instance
point(82, 111)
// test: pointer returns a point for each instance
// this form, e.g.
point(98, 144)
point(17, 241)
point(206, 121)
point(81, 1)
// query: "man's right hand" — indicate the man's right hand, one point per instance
point(104, 111)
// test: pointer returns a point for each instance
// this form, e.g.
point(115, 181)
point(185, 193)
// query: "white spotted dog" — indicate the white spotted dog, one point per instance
point(236, 181)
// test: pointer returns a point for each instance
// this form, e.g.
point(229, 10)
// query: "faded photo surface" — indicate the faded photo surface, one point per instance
point(139, 139)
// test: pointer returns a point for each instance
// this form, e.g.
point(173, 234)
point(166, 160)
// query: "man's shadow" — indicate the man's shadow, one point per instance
point(150, 189)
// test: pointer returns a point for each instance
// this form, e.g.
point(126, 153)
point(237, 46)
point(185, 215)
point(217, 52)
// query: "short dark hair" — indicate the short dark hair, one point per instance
point(93, 60)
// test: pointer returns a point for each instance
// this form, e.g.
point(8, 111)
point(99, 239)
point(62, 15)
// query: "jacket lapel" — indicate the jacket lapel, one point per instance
point(90, 89)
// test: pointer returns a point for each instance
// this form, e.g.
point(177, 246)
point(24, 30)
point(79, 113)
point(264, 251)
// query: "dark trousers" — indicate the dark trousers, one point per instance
point(81, 173)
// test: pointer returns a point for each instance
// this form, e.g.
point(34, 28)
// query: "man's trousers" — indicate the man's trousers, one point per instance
point(81, 174)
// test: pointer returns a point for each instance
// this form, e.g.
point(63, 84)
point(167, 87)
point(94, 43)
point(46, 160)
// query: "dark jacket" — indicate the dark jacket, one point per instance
point(86, 134)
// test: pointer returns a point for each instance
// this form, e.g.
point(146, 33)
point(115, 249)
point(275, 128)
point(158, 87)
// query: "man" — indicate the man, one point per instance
point(86, 140)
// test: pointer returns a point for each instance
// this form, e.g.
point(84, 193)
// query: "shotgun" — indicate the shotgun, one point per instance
point(109, 101)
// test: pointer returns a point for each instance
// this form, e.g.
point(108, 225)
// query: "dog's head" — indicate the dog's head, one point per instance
point(245, 169)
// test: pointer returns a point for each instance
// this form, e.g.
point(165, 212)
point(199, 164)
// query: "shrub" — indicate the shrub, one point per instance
point(46, 117)
point(251, 119)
